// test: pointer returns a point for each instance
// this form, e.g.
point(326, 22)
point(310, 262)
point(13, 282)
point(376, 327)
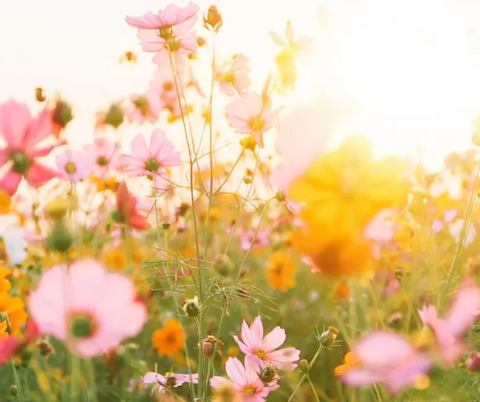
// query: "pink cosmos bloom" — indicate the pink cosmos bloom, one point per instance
point(102, 155)
point(463, 312)
point(244, 381)
point(167, 32)
point(386, 357)
point(163, 90)
point(22, 133)
point(143, 108)
point(260, 240)
point(234, 75)
point(249, 115)
point(253, 343)
point(382, 228)
point(91, 309)
point(73, 165)
point(151, 161)
point(170, 379)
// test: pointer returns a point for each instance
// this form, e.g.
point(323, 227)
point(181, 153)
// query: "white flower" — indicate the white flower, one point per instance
point(13, 236)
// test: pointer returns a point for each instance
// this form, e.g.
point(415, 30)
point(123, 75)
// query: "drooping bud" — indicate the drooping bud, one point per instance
point(200, 41)
point(192, 307)
point(212, 20)
point(166, 225)
point(328, 337)
point(304, 366)
point(209, 344)
point(62, 113)
point(39, 95)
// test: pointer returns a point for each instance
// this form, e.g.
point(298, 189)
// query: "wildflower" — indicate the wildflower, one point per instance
point(169, 340)
point(473, 362)
point(12, 310)
point(328, 337)
point(102, 156)
point(250, 115)
point(281, 271)
point(254, 343)
point(5, 201)
point(127, 210)
point(87, 307)
point(144, 108)
point(254, 240)
point(61, 116)
point(14, 238)
point(4, 329)
point(456, 229)
point(22, 132)
point(10, 345)
point(169, 380)
point(163, 93)
point(462, 313)
point(386, 357)
point(351, 362)
point(233, 75)
point(244, 381)
point(153, 160)
point(73, 165)
point(114, 116)
point(167, 32)
point(343, 190)
point(5, 284)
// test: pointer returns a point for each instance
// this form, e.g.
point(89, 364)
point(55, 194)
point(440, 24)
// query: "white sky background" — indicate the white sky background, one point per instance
point(412, 67)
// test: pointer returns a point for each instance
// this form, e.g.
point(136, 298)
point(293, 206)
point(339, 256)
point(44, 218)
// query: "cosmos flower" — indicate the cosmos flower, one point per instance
point(73, 165)
point(167, 32)
point(151, 160)
point(244, 381)
point(169, 340)
point(250, 239)
point(351, 362)
point(265, 348)
point(386, 357)
point(249, 115)
point(102, 155)
point(87, 307)
point(232, 76)
point(23, 133)
point(168, 380)
point(281, 271)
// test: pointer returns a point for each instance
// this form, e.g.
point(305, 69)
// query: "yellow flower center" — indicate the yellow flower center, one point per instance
point(249, 390)
point(261, 354)
point(228, 76)
point(256, 123)
point(70, 168)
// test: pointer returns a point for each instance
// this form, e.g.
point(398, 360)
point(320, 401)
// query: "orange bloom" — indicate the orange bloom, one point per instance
point(351, 361)
point(12, 310)
point(5, 202)
point(281, 271)
point(5, 284)
point(169, 340)
point(3, 329)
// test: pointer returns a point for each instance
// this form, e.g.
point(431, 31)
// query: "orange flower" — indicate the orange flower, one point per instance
point(3, 329)
point(281, 271)
point(5, 202)
point(169, 340)
point(351, 361)
point(5, 284)
point(12, 310)
point(342, 292)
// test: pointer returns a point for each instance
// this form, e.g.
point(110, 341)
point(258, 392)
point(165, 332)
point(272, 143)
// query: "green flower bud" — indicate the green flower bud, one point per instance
point(60, 238)
point(304, 366)
point(192, 307)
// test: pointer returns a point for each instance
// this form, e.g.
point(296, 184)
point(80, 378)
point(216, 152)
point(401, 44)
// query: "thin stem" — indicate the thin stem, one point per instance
point(377, 392)
point(313, 389)
point(17, 383)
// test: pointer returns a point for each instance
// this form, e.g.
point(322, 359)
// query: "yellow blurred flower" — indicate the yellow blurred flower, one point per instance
point(169, 340)
point(3, 329)
point(5, 284)
point(104, 184)
point(5, 202)
point(343, 190)
point(116, 258)
point(351, 361)
point(12, 309)
point(281, 271)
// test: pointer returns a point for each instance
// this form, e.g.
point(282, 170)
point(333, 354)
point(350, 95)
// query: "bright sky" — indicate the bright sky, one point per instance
point(410, 67)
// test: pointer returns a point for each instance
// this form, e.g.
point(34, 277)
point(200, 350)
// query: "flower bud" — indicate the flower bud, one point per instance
point(166, 225)
point(58, 208)
point(328, 337)
point(280, 195)
point(192, 307)
point(212, 20)
point(45, 348)
point(224, 265)
point(268, 374)
point(473, 362)
point(304, 366)
point(200, 41)
point(247, 180)
point(62, 113)
point(13, 390)
point(39, 95)
point(60, 238)
point(115, 116)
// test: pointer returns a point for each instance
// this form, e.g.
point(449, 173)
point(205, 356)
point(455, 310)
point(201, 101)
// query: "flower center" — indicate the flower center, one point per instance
point(141, 103)
point(173, 44)
point(228, 76)
point(82, 326)
point(20, 161)
point(70, 168)
point(165, 33)
point(261, 354)
point(102, 161)
point(249, 390)
point(256, 123)
point(168, 86)
point(171, 338)
point(152, 165)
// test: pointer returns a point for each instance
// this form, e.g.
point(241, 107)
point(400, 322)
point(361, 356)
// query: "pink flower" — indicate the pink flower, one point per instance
point(167, 32)
point(386, 357)
point(249, 115)
point(86, 306)
point(150, 161)
point(244, 381)
point(463, 312)
point(260, 240)
point(143, 108)
point(162, 90)
point(102, 155)
point(22, 132)
point(253, 343)
point(73, 165)
point(170, 379)
point(127, 212)
point(234, 75)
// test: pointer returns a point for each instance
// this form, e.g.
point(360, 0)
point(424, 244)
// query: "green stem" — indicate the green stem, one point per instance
point(17, 383)
point(313, 389)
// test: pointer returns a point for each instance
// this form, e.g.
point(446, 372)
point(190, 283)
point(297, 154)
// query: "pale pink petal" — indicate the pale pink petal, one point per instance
point(279, 41)
point(219, 382)
point(148, 21)
point(242, 346)
point(274, 339)
point(380, 348)
point(236, 371)
point(15, 118)
point(38, 174)
point(153, 378)
point(10, 181)
point(464, 310)
point(139, 147)
point(185, 26)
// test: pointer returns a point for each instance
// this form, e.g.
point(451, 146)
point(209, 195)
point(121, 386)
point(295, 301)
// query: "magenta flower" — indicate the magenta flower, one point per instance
point(151, 161)
point(463, 312)
point(386, 357)
point(249, 115)
point(167, 32)
point(233, 75)
point(260, 240)
point(264, 348)
point(102, 155)
point(168, 380)
point(23, 133)
point(73, 165)
point(244, 381)
point(87, 307)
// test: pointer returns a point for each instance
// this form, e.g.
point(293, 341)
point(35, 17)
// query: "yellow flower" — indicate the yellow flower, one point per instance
point(169, 340)
point(343, 190)
point(116, 258)
point(351, 361)
point(108, 184)
point(3, 329)
point(5, 202)
point(13, 309)
point(5, 284)
point(281, 271)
